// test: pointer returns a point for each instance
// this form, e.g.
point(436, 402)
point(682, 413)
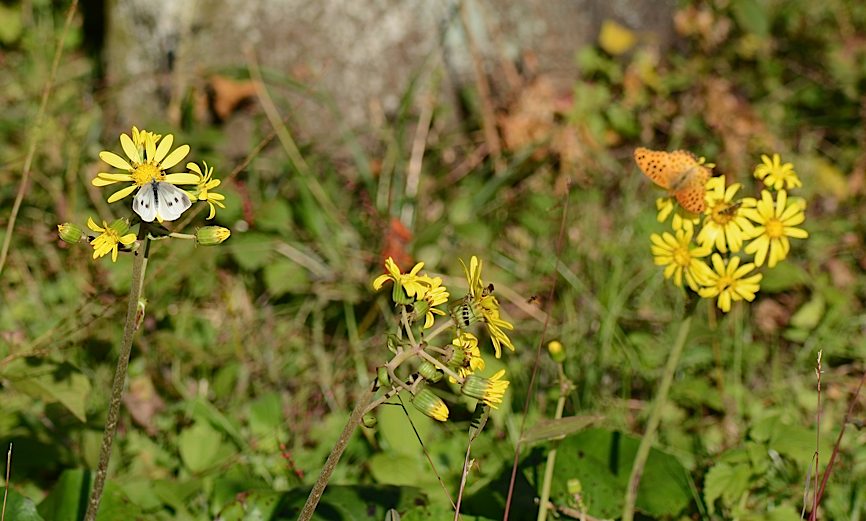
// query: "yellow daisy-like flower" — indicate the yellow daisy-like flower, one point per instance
point(682, 220)
point(730, 282)
point(776, 221)
point(204, 185)
point(776, 175)
point(434, 295)
point(466, 358)
point(483, 305)
point(725, 226)
point(489, 390)
point(680, 259)
point(431, 405)
point(407, 286)
point(110, 237)
point(149, 158)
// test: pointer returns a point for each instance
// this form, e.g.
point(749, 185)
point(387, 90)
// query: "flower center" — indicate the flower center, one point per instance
point(725, 283)
point(723, 213)
point(145, 173)
point(682, 257)
point(775, 228)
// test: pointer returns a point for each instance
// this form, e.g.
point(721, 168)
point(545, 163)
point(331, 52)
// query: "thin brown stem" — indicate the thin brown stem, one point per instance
point(334, 456)
point(139, 266)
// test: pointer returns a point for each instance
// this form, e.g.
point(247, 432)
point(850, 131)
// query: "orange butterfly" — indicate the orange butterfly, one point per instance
point(679, 172)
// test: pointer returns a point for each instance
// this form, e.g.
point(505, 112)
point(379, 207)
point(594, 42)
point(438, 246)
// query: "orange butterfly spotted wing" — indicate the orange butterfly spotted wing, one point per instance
point(678, 172)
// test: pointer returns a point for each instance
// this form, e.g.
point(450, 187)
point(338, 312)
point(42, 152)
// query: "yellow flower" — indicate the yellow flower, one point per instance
point(111, 236)
point(679, 258)
point(405, 284)
point(682, 220)
point(147, 162)
point(489, 390)
point(776, 175)
point(730, 282)
point(482, 304)
point(204, 185)
point(776, 222)
point(434, 295)
point(431, 405)
point(725, 226)
point(466, 357)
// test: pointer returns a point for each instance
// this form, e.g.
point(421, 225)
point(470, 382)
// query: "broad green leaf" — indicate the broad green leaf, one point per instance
point(809, 315)
point(546, 430)
point(285, 276)
point(356, 503)
point(258, 505)
point(200, 447)
point(251, 250)
point(67, 500)
point(20, 508)
point(50, 382)
point(725, 481)
point(601, 460)
point(752, 17)
point(275, 215)
point(10, 23)
point(397, 469)
point(266, 415)
point(396, 430)
point(116, 505)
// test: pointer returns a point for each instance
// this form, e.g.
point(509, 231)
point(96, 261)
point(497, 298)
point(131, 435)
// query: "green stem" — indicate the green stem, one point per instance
point(334, 456)
point(654, 419)
point(551, 456)
point(139, 266)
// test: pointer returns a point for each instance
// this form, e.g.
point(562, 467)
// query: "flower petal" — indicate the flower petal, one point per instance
point(175, 157)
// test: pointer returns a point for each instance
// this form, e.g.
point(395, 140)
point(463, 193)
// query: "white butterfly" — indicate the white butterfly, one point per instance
point(160, 200)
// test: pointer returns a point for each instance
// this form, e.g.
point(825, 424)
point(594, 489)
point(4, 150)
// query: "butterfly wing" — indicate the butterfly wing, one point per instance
point(171, 201)
point(145, 202)
point(678, 171)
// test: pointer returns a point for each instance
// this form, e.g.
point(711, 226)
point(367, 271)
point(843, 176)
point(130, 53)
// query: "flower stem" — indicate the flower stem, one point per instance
point(139, 266)
point(654, 419)
point(551, 456)
point(336, 453)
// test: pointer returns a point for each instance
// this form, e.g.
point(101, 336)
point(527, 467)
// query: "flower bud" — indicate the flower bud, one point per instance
point(383, 377)
point(211, 235)
point(556, 351)
point(489, 390)
point(70, 233)
point(431, 405)
point(429, 371)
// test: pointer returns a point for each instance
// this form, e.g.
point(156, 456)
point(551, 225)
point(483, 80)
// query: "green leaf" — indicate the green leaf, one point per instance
point(356, 503)
point(200, 447)
point(258, 505)
point(546, 430)
point(751, 17)
point(809, 315)
point(388, 468)
point(396, 429)
point(116, 505)
point(725, 481)
point(601, 460)
point(20, 508)
point(10, 25)
point(67, 501)
point(266, 415)
point(50, 382)
point(275, 215)
point(251, 250)
point(285, 276)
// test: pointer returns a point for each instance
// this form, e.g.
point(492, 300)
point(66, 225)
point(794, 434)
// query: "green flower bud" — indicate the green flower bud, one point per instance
point(431, 405)
point(211, 235)
point(383, 377)
point(429, 371)
point(70, 233)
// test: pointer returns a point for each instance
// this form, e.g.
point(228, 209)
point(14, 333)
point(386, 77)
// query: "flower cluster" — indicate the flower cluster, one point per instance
point(421, 296)
point(709, 251)
point(149, 157)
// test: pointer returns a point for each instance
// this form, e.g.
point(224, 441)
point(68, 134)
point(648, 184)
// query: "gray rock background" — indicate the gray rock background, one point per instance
point(362, 54)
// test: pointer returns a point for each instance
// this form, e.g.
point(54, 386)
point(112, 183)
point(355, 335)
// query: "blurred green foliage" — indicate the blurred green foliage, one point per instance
point(251, 353)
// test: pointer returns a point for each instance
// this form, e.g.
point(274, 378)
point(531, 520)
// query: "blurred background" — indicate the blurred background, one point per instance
point(426, 131)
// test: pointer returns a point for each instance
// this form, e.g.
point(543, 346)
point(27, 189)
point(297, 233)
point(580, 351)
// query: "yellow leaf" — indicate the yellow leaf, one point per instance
point(615, 39)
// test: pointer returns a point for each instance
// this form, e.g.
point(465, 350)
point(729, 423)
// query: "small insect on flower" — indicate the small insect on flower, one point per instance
point(160, 200)
point(679, 172)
